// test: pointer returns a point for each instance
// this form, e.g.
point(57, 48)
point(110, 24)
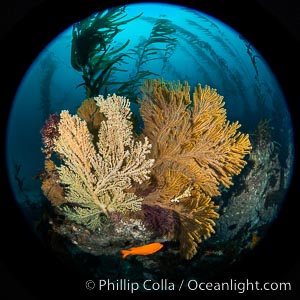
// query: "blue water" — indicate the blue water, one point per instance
point(207, 52)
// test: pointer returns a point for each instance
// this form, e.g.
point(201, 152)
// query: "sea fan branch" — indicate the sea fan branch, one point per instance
point(95, 177)
point(195, 147)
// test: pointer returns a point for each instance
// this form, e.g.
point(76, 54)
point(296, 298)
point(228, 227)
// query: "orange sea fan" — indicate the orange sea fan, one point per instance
point(194, 146)
point(193, 138)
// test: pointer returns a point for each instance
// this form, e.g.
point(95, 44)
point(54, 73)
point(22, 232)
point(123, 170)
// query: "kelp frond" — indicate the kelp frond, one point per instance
point(160, 45)
point(93, 52)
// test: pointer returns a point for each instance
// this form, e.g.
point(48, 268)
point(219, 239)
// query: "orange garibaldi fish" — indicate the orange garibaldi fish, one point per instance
point(142, 250)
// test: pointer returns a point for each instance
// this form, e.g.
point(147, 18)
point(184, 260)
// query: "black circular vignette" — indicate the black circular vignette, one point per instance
point(28, 266)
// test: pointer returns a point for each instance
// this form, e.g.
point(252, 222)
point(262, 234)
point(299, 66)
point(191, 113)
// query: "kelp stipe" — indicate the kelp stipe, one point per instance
point(48, 67)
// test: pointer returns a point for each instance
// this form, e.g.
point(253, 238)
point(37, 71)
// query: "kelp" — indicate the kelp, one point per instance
point(48, 67)
point(259, 88)
point(160, 45)
point(161, 41)
point(209, 29)
point(206, 50)
point(100, 63)
point(93, 52)
point(205, 54)
point(251, 55)
point(218, 38)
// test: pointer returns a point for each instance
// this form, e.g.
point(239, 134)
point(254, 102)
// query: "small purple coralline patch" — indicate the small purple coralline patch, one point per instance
point(49, 134)
point(160, 220)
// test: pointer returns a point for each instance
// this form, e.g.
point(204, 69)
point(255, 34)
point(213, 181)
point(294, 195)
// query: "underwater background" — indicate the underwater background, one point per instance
point(205, 51)
point(198, 49)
